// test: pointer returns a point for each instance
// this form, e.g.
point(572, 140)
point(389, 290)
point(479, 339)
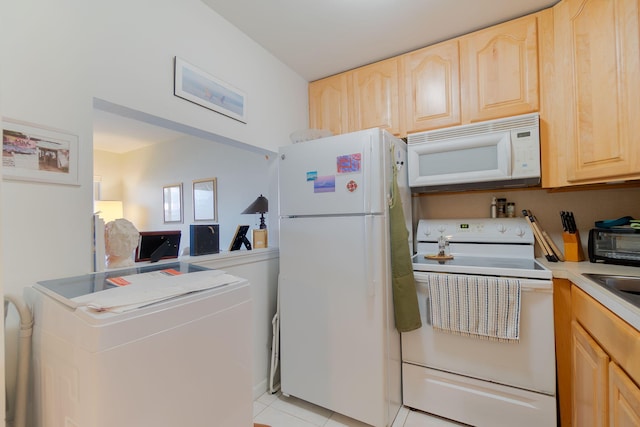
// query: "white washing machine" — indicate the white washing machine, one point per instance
point(184, 361)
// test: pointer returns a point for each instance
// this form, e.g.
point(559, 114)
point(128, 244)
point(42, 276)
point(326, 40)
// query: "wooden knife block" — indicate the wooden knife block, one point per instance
point(572, 247)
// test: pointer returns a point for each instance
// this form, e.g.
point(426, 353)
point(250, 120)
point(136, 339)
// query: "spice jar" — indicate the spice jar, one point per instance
point(511, 210)
point(501, 206)
point(494, 208)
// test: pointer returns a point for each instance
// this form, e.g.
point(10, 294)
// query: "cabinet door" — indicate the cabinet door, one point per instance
point(598, 66)
point(589, 371)
point(624, 399)
point(375, 95)
point(562, 329)
point(328, 104)
point(432, 87)
point(499, 69)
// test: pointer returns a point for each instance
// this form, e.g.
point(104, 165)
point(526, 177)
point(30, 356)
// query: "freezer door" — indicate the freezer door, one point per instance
point(344, 174)
point(337, 335)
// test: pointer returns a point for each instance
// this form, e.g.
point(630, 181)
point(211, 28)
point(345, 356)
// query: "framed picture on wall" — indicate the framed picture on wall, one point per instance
point(36, 153)
point(199, 87)
point(172, 203)
point(205, 200)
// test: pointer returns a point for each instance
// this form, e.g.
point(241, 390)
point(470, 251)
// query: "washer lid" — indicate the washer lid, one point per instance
point(65, 289)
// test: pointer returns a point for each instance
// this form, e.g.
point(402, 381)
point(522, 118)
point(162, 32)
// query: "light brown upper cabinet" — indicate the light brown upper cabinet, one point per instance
point(596, 89)
point(374, 94)
point(432, 87)
point(488, 74)
point(499, 67)
point(484, 75)
point(359, 99)
point(329, 104)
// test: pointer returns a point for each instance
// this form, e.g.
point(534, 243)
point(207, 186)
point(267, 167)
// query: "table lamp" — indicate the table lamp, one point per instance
point(261, 206)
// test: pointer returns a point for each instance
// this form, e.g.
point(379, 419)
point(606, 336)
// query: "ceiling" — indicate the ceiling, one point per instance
point(325, 37)
point(321, 38)
point(115, 133)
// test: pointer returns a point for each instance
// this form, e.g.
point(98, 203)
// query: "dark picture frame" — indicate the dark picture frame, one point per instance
point(239, 238)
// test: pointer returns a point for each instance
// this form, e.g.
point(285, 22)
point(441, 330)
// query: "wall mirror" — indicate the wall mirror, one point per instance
point(172, 201)
point(205, 199)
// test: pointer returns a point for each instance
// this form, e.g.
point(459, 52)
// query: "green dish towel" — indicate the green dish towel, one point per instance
point(405, 297)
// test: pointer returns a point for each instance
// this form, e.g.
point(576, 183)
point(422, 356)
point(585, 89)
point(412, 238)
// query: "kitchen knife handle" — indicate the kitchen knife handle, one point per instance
point(572, 223)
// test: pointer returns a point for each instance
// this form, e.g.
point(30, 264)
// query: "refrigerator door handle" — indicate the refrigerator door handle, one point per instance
point(370, 282)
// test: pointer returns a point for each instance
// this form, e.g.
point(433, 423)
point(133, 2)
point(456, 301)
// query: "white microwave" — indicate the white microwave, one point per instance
point(492, 154)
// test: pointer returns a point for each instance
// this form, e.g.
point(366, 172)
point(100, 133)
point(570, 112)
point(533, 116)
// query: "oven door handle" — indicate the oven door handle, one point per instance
point(427, 310)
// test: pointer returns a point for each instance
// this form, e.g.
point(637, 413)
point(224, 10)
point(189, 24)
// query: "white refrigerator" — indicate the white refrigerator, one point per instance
point(339, 347)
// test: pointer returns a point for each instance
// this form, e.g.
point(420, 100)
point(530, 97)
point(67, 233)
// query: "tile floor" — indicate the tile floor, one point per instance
point(277, 410)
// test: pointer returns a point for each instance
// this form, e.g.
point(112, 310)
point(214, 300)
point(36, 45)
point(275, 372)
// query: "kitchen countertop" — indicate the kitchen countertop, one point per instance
point(573, 271)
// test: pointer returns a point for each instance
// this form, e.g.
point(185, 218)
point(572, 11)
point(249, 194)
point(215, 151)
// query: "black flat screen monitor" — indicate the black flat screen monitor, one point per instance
point(156, 245)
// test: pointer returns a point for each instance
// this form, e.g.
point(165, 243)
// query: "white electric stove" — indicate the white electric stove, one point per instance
point(477, 381)
point(488, 246)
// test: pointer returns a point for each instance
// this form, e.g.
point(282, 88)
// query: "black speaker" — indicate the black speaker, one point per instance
point(205, 239)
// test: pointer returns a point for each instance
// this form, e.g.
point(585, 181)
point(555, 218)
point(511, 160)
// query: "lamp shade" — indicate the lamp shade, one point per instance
point(261, 206)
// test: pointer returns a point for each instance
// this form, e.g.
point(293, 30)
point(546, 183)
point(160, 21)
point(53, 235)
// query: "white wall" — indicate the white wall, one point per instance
point(45, 229)
point(120, 52)
point(2, 380)
point(108, 168)
point(59, 56)
point(242, 175)
point(588, 206)
point(138, 40)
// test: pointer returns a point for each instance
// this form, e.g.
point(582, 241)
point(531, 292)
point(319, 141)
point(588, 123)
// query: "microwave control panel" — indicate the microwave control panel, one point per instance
point(525, 144)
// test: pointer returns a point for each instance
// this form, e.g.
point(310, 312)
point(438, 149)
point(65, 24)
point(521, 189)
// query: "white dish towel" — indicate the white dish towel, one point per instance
point(475, 306)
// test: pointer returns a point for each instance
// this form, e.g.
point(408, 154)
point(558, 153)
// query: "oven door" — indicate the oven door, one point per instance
point(528, 364)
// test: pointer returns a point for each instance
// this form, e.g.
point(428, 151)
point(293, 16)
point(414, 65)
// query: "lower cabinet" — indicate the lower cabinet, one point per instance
point(605, 366)
point(589, 371)
point(260, 267)
point(624, 398)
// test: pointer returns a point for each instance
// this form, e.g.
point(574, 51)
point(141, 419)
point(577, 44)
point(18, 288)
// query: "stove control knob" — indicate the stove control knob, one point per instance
point(427, 231)
point(520, 232)
point(501, 228)
point(442, 229)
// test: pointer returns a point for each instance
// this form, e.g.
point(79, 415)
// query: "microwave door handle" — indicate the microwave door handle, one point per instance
point(508, 150)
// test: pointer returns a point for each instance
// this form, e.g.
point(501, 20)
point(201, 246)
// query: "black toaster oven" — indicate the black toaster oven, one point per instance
point(615, 246)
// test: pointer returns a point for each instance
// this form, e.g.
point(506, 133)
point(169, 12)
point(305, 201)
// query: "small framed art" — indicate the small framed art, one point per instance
point(199, 87)
point(35, 153)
